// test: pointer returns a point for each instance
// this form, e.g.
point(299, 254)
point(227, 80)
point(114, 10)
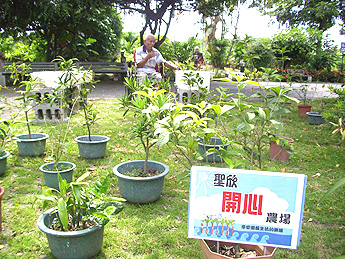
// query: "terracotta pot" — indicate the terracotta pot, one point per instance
point(278, 153)
point(261, 251)
point(303, 109)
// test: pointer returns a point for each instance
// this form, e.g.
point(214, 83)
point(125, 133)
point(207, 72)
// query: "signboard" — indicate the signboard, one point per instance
point(244, 206)
point(342, 47)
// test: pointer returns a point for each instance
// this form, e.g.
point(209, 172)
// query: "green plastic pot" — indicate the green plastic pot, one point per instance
point(315, 118)
point(215, 143)
point(34, 146)
point(3, 161)
point(50, 173)
point(81, 244)
point(92, 149)
point(140, 189)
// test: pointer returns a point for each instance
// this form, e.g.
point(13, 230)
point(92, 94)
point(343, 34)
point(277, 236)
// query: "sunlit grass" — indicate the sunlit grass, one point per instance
point(159, 230)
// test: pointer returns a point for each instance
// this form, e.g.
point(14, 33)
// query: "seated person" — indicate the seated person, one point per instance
point(197, 58)
point(147, 58)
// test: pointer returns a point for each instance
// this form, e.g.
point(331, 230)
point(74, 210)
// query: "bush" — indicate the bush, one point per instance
point(218, 52)
point(263, 48)
point(180, 51)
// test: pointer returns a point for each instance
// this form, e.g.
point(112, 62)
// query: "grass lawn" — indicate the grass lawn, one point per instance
point(159, 230)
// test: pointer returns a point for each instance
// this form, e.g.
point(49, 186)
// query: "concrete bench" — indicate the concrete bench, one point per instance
point(115, 68)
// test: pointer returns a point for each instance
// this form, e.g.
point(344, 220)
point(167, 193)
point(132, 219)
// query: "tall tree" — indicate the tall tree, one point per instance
point(158, 15)
point(60, 22)
point(318, 14)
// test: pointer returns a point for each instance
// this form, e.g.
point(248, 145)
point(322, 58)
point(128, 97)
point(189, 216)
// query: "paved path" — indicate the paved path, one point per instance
point(108, 89)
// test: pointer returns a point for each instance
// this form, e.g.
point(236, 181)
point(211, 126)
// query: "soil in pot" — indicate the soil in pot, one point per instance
point(226, 249)
point(142, 173)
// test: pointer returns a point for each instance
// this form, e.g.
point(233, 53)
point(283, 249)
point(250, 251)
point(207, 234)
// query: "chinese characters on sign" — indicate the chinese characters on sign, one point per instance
point(243, 206)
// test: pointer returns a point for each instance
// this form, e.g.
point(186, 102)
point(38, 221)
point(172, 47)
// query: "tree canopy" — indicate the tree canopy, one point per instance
point(319, 14)
point(68, 26)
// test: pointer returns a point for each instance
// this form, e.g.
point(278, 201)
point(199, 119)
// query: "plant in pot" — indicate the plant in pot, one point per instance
point(4, 137)
point(303, 95)
point(258, 122)
point(29, 144)
point(60, 129)
point(90, 146)
point(141, 181)
point(75, 225)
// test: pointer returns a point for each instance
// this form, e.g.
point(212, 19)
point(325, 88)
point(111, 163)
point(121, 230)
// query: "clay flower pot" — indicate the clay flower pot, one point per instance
point(303, 109)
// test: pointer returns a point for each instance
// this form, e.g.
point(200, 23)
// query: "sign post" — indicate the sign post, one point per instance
point(247, 207)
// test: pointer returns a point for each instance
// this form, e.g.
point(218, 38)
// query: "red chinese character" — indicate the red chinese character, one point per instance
point(252, 205)
point(231, 202)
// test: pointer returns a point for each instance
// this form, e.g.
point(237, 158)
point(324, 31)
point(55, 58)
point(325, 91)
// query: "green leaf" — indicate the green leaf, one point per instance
point(163, 138)
point(334, 187)
point(63, 214)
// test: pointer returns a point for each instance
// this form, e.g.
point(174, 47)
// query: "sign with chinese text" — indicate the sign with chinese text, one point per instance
point(244, 206)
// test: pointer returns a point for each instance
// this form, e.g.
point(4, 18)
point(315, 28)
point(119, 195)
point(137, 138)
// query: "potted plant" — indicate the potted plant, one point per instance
point(75, 225)
point(303, 94)
point(29, 144)
point(4, 136)
point(61, 95)
point(142, 181)
point(90, 146)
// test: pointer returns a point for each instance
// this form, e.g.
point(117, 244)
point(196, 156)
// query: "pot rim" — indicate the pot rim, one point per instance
point(106, 139)
point(212, 145)
point(43, 137)
point(7, 154)
point(47, 230)
point(315, 114)
point(304, 105)
point(54, 172)
point(118, 174)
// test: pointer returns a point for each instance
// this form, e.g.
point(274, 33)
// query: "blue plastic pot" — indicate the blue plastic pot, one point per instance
point(50, 173)
point(33, 146)
point(3, 161)
point(315, 118)
point(92, 149)
point(140, 189)
point(213, 143)
point(81, 244)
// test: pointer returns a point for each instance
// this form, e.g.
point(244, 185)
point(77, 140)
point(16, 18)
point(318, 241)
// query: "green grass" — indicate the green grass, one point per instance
point(159, 230)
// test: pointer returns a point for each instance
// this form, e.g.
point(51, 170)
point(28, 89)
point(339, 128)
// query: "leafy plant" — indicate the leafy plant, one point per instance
point(5, 129)
point(148, 106)
point(80, 204)
point(66, 96)
point(257, 123)
point(26, 88)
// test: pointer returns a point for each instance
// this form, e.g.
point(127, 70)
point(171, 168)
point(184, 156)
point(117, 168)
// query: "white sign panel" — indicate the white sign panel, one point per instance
point(244, 206)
